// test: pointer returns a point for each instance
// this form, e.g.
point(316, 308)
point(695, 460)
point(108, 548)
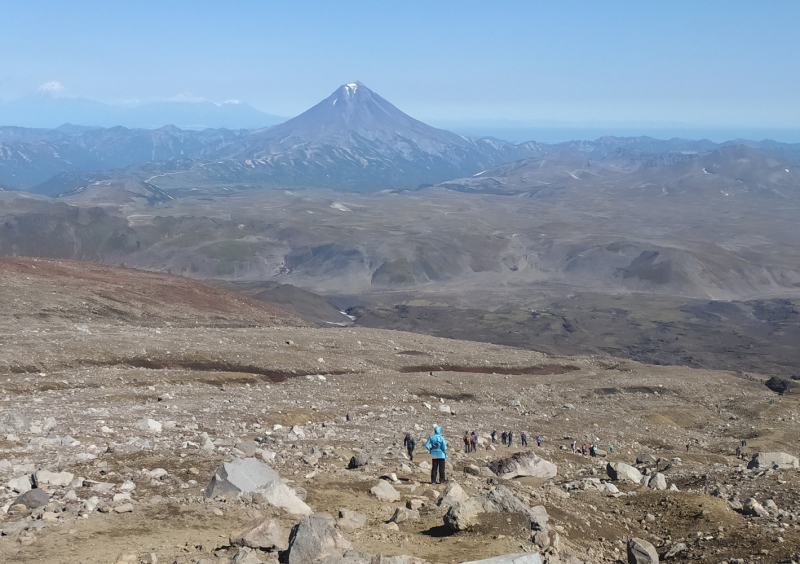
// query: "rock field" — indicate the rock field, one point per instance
point(241, 437)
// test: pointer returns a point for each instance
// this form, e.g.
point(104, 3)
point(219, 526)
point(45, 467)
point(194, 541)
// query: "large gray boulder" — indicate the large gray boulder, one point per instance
point(520, 558)
point(14, 422)
point(314, 538)
point(243, 475)
point(384, 491)
point(350, 521)
point(465, 515)
point(43, 478)
point(526, 463)
point(641, 552)
point(248, 475)
point(246, 555)
point(779, 460)
point(454, 494)
point(754, 508)
point(658, 482)
point(33, 499)
point(266, 534)
point(619, 471)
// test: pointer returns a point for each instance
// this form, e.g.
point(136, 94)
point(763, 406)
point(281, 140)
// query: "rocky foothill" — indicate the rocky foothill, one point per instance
point(125, 441)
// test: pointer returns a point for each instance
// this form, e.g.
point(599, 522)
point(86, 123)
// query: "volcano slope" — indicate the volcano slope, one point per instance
point(142, 408)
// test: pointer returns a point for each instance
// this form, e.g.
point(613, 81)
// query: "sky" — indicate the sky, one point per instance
point(713, 64)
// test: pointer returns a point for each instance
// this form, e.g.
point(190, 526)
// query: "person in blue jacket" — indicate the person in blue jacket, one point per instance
point(437, 446)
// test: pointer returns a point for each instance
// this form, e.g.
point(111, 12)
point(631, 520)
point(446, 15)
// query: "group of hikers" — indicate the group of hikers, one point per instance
point(437, 447)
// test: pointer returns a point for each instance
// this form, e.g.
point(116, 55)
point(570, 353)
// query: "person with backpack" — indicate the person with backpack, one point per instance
point(437, 446)
point(538, 440)
point(409, 443)
point(494, 437)
point(474, 440)
point(510, 437)
point(524, 438)
point(504, 436)
point(466, 441)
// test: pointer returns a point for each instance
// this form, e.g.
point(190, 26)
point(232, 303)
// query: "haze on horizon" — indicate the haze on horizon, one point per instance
point(730, 68)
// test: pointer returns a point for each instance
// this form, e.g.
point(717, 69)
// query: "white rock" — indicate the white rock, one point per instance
point(149, 425)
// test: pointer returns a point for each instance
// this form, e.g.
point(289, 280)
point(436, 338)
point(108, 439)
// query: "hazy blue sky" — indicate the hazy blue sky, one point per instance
point(723, 63)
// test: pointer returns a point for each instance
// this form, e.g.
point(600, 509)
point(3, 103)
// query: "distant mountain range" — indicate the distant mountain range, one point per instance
point(47, 111)
point(353, 140)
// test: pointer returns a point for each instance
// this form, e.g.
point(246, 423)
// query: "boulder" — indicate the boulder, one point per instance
point(350, 521)
point(359, 460)
point(401, 514)
point(641, 552)
point(384, 491)
point(525, 463)
point(782, 385)
point(779, 460)
point(246, 555)
point(280, 495)
point(454, 494)
point(675, 550)
point(21, 484)
point(658, 482)
point(33, 499)
point(15, 422)
point(44, 478)
point(243, 475)
point(464, 515)
point(314, 538)
point(754, 508)
point(249, 448)
point(618, 471)
point(149, 425)
point(266, 534)
point(646, 458)
point(519, 558)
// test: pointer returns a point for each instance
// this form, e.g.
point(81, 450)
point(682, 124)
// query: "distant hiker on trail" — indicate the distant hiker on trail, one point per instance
point(574, 446)
point(538, 440)
point(437, 446)
point(494, 437)
point(504, 436)
point(744, 443)
point(524, 438)
point(583, 449)
point(594, 451)
point(467, 441)
point(687, 447)
point(510, 437)
point(409, 443)
point(474, 441)
point(611, 448)
point(738, 451)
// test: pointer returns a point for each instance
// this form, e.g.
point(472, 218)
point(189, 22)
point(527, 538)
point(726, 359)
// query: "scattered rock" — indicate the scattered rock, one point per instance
point(754, 508)
point(401, 514)
point(243, 475)
point(384, 491)
point(619, 471)
point(641, 552)
point(44, 478)
point(523, 464)
point(777, 460)
point(313, 538)
point(675, 550)
point(658, 482)
point(350, 521)
point(519, 558)
point(246, 555)
point(33, 499)
point(267, 534)
point(454, 494)
point(646, 458)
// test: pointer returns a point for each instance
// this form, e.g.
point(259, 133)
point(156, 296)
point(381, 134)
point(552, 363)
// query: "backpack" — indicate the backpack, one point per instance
point(436, 442)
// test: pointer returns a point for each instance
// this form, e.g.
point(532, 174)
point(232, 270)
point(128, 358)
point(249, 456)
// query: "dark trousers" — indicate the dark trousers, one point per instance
point(438, 467)
point(524, 442)
point(411, 453)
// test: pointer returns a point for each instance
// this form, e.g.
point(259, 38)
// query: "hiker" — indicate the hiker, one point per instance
point(611, 449)
point(437, 446)
point(524, 438)
point(574, 446)
point(594, 451)
point(510, 437)
point(583, 449)
point(504, 436)
point(474, 439)
point(738, 452)
point(467, 441)
point(687, 447)
point(744, 443)
point(409, 443)
point(494, 437)
point(538, 440)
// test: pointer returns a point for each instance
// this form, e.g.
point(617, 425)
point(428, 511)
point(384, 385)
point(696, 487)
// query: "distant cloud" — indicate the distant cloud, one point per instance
point(186, 97)
point(53, 88)
point(231, 102)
